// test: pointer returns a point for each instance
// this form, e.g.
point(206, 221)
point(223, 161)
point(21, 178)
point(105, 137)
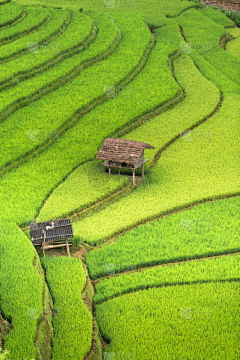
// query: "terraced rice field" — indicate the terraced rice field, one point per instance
point(154, 268)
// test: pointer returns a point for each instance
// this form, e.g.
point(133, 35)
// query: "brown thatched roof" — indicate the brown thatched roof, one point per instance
point(121, 150)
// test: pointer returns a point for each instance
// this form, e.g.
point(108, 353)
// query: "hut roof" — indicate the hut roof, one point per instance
point(121, 150)
point(54, 230)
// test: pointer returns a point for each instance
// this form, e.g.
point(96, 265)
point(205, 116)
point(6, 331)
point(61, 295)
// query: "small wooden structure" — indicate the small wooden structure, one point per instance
point(52, 234)
point(123, 154)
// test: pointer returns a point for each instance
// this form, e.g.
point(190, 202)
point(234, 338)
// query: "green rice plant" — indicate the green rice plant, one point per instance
point(233, 15)
point(75, 34)
point(9, 12)
point(215, 76)
point(201, 231)
point(217, 16)
point(201, 98)
point(28, 43)
point(233, 47)
point(35, 16)
point(73, 96)
point(83, 187)
point(150, 8)
point(84, 141)
point(21, 290)
point(72, 321)
point(201, 164)
point(199, 321)
point(225, 62)
point(170, 32)
point(214, 269)
point(28, 90)
point(200, 29)
point(204, 40)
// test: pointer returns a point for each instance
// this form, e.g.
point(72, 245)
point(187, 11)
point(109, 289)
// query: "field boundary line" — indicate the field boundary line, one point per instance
point(52, 86)
point(87, 297)
point(174, 210)
point(49, 38)
point(177, 137)
point(182, 11)
point(47, 301)
point(73, 120)
point(14, 21)
point(23, 33)
point(25, 75)
point(177, 261)
point(188, 283)
point(5, 2)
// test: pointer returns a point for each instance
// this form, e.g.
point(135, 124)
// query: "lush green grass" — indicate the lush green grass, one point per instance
point(233, 47)
point(77, 141)
point(75, 94)
point(217, 16)
point(204, 230)
point(200, 29)
point(23, 44)
point(76, 32)
point(201, 97)
point(84, 186)
point(200, 165)
point(155, 10)
point(215, 76)
point(225, 62)
point(35, 16)
point(221, 268)
point(205, 38)
point(9, 12)
point(178, 322)
point(170, 32)
point(72, 321)
point(21, 290)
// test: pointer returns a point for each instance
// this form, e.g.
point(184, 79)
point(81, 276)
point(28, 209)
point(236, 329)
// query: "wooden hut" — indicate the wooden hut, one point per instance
point(51, 234)
point(123, 154)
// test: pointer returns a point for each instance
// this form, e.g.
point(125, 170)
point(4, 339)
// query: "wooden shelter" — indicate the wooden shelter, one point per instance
point(123, 154)
point(51, 234)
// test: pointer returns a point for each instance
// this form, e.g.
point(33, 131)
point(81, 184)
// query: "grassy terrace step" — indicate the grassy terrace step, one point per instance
point(218, 17)
point(215, 76)
point(160, 130)
point(189, 171)
point(70, 141)
point(181, 111)
point(23, 308)
point(35, 17)
point(58, 23)
point(206, 270)
point(151, 8)
point(206, 38)
point(29, 91)
point(73, 321)
point(47, 56)
point(202, 231)
point(83, 88)
point(9, 13)
point(170, 32)
point(83, 187)
point(196, 321)
point(198, 103)
point(233, 47)
point(185, 174)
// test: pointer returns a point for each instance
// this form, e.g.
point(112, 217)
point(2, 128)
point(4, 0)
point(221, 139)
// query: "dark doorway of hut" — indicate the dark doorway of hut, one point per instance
point(123, 154)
